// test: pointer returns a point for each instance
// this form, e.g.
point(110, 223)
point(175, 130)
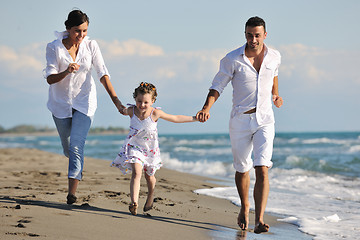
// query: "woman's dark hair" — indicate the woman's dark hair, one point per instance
point(76, 18)
point(145, 88)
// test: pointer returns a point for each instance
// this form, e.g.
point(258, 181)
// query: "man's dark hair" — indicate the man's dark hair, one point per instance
point(255, 22)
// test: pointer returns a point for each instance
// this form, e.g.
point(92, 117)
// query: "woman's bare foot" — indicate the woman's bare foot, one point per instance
point(261, 227)
point(133, 208)
point(243, 218)
point(147, 206)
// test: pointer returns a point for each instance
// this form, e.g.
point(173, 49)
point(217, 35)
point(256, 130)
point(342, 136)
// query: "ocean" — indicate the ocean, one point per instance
point(314, 183)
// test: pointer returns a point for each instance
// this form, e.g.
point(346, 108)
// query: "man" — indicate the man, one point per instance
point(253, 72)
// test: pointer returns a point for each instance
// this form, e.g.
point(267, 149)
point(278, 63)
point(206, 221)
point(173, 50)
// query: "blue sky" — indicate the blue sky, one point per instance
point(177, 45)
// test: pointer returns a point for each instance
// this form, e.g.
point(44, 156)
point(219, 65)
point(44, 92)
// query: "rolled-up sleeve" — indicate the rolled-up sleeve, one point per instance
point(276, 73)
point(52, 66)
point(98, 61)
point(224, 76)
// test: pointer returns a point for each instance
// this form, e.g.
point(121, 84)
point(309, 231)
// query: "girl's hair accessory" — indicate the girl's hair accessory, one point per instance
point(145, 88)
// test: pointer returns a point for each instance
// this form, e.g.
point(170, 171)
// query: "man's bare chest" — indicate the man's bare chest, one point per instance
point(256, 62)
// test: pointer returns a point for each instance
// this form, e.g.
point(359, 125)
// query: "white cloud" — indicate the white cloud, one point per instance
point(315, 74)
point(136, 60)
point(7, 54)
point(316, 66)
point(300, 50)
point(173, 73)
point(131, 47)
point(163, 73)
point(308, 76)
point(210, 56)
point(22, 61)
point(21, 70)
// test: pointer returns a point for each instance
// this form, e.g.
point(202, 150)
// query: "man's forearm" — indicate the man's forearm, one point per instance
point(211, 99)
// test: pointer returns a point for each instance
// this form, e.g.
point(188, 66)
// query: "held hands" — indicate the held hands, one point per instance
point(278, 101)
point(120, 107)
point(202, 116)
point(123, 110)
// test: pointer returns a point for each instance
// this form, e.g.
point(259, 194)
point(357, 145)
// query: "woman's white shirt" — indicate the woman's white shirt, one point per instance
point(76, 90)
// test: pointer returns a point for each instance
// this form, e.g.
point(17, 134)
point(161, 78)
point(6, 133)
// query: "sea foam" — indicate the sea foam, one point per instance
point(318, 204)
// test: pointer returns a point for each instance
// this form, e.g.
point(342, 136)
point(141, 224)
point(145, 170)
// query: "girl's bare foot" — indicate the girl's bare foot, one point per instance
point(261, 227)
point(133, 208)
point(243, 218)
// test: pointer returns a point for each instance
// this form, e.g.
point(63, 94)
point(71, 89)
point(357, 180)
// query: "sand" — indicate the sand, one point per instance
point(33, 189)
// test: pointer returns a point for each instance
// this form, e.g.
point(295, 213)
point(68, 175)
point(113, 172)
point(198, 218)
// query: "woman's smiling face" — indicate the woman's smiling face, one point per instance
point(78, 33)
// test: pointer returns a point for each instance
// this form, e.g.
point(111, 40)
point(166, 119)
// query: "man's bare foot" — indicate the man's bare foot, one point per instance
point(243, 218)
point(261, 227)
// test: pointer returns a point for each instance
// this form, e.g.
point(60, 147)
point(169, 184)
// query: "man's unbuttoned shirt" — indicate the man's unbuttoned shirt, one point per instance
point(250, 88)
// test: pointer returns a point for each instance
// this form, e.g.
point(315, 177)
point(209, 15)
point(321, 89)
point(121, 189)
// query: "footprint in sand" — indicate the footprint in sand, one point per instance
point(165, 201)
point(24, 221)
point(22, 234)
point(21, 223)
point(112, 194)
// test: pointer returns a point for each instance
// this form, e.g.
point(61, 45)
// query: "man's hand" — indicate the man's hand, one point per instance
point(278, 101)
point(202, 116)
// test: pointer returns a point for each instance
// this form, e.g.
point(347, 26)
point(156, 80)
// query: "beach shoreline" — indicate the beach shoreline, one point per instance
point(33, 189)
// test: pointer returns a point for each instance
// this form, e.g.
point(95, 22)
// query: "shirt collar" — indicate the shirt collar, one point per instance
point(61, 35)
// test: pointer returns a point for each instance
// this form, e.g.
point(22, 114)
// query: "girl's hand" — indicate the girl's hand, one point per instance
point(73, 67)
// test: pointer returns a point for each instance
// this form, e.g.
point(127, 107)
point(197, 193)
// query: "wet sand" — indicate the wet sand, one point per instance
point(33, 189)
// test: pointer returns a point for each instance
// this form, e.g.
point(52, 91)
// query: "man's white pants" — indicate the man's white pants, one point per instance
point(248, 137)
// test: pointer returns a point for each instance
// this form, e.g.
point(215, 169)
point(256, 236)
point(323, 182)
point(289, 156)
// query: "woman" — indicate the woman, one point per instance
point(72, 93)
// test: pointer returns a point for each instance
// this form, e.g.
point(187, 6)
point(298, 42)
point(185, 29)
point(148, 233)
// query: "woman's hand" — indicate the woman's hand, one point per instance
point(73, 67)
point(54, 78)
point(124, 110)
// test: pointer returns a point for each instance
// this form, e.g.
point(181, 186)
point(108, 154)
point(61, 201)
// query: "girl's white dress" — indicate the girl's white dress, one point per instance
point(141, 146)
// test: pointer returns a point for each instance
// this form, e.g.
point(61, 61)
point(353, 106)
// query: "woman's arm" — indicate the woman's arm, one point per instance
point(111, 91)
point(172, 118)
point(103, 74)
point(54, 78)
point(52, 72)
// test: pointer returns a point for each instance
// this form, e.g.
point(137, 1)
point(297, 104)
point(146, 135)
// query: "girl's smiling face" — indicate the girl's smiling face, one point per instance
point(144, 102)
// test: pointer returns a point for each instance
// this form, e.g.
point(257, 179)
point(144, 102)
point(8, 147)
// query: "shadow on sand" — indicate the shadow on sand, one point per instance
point(218, 232)
point(86, 208)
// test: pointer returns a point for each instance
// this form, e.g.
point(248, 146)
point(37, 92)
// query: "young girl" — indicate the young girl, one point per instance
point(141, 147)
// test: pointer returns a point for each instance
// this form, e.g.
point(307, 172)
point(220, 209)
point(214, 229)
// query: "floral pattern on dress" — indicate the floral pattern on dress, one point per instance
point(141, 146)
